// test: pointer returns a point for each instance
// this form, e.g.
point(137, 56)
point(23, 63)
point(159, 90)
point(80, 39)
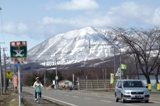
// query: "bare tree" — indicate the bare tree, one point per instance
point(131, 71)
point(144, 45)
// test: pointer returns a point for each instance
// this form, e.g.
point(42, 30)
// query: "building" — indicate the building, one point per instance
point(65, 83)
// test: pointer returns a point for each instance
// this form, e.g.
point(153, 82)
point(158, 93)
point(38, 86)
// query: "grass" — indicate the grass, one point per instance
point(154, 92)
point(12, 102)
point(9, 99)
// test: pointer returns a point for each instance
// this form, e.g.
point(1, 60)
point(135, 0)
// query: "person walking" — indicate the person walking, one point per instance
point(38, 87)
point(21, 86)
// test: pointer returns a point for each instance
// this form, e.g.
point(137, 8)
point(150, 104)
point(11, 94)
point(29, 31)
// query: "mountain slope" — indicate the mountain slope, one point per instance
point(73, 46)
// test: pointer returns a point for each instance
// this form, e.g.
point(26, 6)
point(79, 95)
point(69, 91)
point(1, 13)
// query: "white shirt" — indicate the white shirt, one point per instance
point(37, 85)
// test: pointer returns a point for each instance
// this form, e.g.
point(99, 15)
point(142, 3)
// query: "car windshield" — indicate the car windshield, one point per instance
point(133, 84)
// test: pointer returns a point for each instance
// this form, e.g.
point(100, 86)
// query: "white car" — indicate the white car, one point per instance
point(131, 90)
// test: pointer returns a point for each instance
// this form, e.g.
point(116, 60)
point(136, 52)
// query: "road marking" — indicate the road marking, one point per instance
point(75, 96)
point(106, 101)
point(88, 98)
point(131, 105)
point(60, 101)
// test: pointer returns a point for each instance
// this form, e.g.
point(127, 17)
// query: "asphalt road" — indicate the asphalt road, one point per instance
point(85, 98)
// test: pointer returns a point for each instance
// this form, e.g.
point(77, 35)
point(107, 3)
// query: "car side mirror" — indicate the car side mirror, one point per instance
point(119, 86)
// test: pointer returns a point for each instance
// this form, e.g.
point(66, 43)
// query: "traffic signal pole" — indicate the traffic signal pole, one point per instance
point(19, 83)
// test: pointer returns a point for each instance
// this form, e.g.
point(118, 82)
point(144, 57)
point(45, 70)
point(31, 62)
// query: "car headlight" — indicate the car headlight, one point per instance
point(146, 92)
point(126, 92)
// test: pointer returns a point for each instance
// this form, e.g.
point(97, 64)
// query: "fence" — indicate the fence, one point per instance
point(96, 84)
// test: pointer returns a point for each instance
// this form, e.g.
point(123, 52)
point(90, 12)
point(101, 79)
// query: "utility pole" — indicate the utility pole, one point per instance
point(120, 63)
point(1, 69)
point(114, 62)
point(4, 70)
point(73, 80)
point(56, 73)
point(45, 75)
point(0, 72)
point(105, 77)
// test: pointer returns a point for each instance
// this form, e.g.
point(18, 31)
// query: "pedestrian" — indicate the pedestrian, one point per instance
point(38, 87)
point(70, 88)
point(21, 86)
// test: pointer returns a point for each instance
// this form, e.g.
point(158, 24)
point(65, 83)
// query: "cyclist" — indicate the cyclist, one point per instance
point(38, 87)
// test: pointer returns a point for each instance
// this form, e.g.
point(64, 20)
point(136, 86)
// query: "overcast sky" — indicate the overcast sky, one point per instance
point(36, 20)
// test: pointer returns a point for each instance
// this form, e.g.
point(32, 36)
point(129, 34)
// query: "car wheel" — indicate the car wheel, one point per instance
point(123, 101)
point(117, 100)
point(146, 101)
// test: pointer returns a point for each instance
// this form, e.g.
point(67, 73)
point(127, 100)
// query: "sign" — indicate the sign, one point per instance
point(15, 65)
point(54, 82)
point(119, 72)
point(111, 78)
point(18, 51)
point(56, 78)
point(123, 66)
point(8, 74)
point(15, 81)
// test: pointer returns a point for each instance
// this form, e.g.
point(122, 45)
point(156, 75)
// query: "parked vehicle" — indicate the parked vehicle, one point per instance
point(131, 90)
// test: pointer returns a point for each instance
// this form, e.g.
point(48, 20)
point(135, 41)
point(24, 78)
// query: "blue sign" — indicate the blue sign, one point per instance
point(15, 65)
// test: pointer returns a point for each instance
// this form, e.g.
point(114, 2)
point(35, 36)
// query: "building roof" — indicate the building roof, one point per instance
point(64, 81)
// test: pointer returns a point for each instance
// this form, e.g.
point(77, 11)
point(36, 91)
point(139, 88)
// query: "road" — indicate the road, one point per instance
point(84, 98)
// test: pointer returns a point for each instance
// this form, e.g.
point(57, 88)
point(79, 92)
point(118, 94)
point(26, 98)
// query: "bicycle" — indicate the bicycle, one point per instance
point(38, 91)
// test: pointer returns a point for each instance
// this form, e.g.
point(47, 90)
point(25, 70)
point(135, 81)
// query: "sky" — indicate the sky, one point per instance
point(36, 20)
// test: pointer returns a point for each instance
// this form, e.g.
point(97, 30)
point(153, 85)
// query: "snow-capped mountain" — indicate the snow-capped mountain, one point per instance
point(73, 46)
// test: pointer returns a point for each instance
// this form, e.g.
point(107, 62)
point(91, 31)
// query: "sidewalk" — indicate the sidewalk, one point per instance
point(28, 100)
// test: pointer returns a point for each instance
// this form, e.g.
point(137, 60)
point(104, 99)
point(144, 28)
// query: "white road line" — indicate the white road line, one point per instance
point(60, 101)
point(88, 98)
point(131, 105)
point(106, 101)
point(75, 96)
point(155, 101)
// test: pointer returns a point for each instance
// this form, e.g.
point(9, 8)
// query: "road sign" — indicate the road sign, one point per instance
point(111, 78)
point(123, 66)
point(15, 65)
point(56, 78)
point(119, 72)
point(18, 51)
point(8, 74)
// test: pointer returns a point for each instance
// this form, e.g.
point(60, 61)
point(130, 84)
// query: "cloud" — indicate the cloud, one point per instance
point(127, 14)
point(15, 28)
point(74, 5)
point(134, 14)
point(155, 19)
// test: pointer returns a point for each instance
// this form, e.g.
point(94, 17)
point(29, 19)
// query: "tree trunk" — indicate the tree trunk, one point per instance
point(156, 77)
point(148, 79)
